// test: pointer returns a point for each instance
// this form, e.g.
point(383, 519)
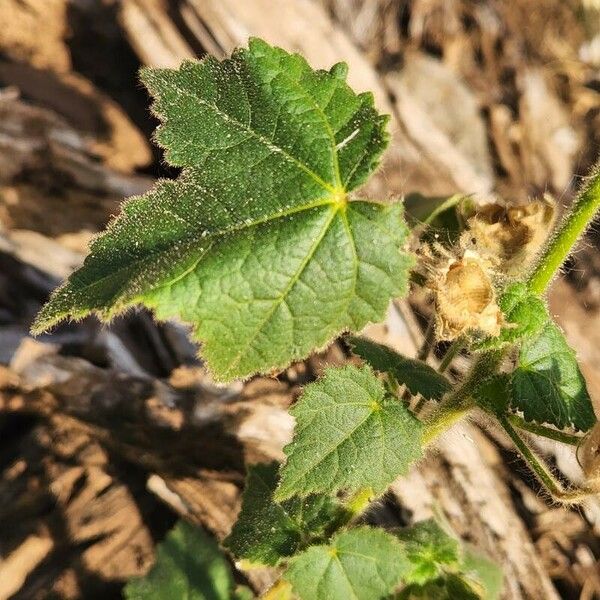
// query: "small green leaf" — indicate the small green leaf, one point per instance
point(349, 435)
point(449, 586)
point(266, 531)
point(430, 551)
point(362, 564)
point(547, 384)
point(482, 570)
point(439, 214)
point(442, 568)
point(257, 244)
point(416, 375)
point(189, 566)
point(243, 592)
point(525, 315)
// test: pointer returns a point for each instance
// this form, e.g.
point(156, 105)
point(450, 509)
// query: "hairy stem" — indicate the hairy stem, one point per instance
point(553, 434)
point(428, 340)
point(547, 479)
point(454, 349)
point(460, 402)
point(573, 225)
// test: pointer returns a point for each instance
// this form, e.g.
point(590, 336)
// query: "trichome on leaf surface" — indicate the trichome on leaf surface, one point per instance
point(264, 245)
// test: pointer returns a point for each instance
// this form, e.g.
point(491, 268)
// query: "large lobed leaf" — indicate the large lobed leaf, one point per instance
point(256, 244)
point(349, 435)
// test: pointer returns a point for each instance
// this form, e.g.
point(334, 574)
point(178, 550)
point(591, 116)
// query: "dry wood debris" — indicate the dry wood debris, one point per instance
point(108, 434)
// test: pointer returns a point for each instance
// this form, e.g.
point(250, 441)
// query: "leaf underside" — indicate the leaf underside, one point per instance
point(362, 564)
point(255, 244)
point(349, 435)
point(417, 376)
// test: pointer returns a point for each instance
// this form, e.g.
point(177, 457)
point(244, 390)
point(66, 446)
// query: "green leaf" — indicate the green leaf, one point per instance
point(494, 393)
point(416, 375)
point(430, 551)
point(440, 215)
point(442, 568)
point(349, 435)
point(257, 243)
point(266, 531)
point(482, 570)
point(525, 314)
point(449, 586)
point(361, 564)
point(189, 566)
point(243, 592)
point(547, 384)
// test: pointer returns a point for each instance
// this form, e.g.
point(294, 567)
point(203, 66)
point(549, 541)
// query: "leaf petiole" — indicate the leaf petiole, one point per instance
point(451, 353)
point(553, 487)
point(571, 439)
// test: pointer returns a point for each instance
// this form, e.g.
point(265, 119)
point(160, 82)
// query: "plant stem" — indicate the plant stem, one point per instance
point(554, 488)
point(553, 434)
point(444, 206)
point(441, 420)
point(573, 225)
point(454, 349)
point(460, 401)
point(428, 340)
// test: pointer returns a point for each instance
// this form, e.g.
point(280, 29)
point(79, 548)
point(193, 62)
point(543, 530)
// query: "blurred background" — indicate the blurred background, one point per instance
point(108, 434)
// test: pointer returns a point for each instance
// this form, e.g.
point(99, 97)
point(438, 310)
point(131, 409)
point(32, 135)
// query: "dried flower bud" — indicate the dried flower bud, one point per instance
point(588, 455)
point(464, 296)
point(509, 236)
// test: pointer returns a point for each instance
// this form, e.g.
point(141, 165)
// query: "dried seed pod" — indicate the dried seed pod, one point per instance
point(509, 236)
point(588, 455)
point(465, 298)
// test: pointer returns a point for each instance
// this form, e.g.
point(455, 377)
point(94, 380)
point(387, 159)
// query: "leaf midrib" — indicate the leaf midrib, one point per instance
point(209, 239)
point(270, 144)
point(281, 298)
point(322, 456)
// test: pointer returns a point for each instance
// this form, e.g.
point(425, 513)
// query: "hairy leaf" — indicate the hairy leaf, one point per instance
point(494, 393)
point(547, 384)
point(189, 566)
point(257, 243)
point(525, 315)
point(449, 586)
point(485, 573)
point(362, 564)
point(349, 435)
point(430, 551)
point(267, 531)
point(416, 375)
point(442, 569)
